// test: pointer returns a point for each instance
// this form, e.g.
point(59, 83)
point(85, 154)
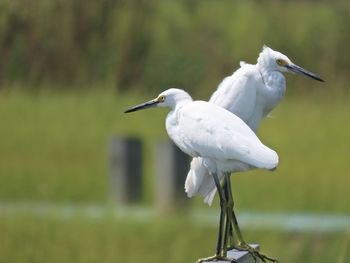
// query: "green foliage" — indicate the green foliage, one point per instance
point(150, 45)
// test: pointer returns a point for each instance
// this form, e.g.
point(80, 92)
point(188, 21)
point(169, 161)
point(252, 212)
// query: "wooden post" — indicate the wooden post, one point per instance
point(240, 256)
point(172, 166)
point(125, 155)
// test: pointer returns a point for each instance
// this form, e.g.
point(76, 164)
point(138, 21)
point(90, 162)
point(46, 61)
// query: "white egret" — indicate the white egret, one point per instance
point(251, 93)
point(223, 141)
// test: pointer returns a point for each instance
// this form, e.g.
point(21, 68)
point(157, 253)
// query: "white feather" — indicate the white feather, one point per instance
point(251, 93)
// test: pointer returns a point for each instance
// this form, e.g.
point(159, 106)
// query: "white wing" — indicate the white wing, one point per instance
point(237, 93)
point(223, 136)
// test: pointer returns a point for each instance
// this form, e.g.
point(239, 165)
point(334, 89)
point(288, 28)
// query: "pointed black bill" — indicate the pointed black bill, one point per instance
point(297, 69)
point(145, 105)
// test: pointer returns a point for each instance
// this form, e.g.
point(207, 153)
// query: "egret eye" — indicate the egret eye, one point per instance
point(161, 98)
point(281, 62)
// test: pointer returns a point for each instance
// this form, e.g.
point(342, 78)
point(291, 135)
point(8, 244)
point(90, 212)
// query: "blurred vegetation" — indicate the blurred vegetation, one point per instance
point(54, 148)
point(150, 45)
point(70, 67)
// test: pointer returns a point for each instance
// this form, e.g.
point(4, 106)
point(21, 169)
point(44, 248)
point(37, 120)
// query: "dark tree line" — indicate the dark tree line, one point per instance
point(149, 44)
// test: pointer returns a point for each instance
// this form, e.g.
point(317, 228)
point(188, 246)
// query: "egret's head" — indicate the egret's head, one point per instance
point(272, 60)
point(169, 98)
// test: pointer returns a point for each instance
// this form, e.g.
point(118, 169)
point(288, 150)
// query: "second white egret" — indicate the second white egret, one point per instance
point(251, 93)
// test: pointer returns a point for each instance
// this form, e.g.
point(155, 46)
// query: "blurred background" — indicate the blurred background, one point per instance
point(70, 67)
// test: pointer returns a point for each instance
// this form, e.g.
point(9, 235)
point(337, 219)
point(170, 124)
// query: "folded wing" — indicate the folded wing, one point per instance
point(221, 135)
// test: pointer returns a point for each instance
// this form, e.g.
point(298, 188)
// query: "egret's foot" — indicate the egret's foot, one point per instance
point(216, 258)
point(254, 252)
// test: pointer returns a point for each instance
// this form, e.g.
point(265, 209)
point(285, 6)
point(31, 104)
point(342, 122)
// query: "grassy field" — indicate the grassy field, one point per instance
point(176, 240)
point(53, 147)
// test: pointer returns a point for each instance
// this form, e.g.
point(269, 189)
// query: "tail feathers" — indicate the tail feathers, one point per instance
point(208, 188)
point(200, 182)
point(190, 186)
point(208, 199)
point(195, 177)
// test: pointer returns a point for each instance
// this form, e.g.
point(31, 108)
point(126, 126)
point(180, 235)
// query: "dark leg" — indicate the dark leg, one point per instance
point(230, 205)
point(228, 237)
point(223, 207)
point(219, 241)
point(221, 248)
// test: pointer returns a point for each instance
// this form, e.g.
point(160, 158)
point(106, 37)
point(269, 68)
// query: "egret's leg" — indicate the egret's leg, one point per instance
point(231, 211)
point(228, 238)
point(219, 244)
point(228, 224)
point(221, 249)
point(242, 245)
point(227, 190)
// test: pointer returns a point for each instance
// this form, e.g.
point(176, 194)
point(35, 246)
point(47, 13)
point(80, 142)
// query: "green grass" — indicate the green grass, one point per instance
point(174, 240)
point(54, 147)
point(311, 137)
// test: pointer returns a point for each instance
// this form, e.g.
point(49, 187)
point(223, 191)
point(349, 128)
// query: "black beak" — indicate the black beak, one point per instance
point(297, 69)
point(145, 105)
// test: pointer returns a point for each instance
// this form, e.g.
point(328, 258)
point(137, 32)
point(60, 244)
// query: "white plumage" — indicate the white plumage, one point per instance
point(224, 144)
point(251, 93)
point(211, 132)
point(202, 129)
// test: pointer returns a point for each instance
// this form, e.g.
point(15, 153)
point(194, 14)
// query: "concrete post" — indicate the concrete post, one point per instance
point(125, 155)
point(172, 166)
point(240, 256)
